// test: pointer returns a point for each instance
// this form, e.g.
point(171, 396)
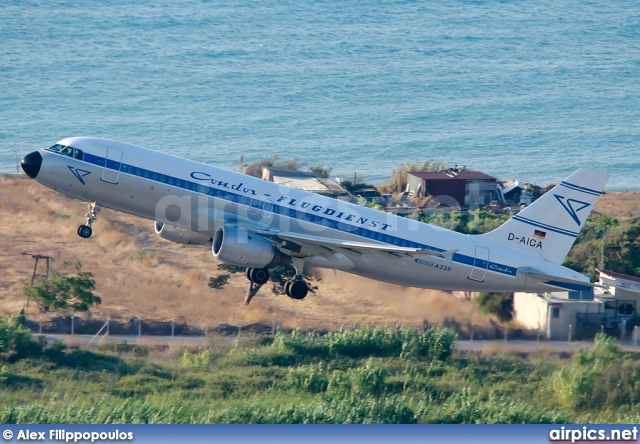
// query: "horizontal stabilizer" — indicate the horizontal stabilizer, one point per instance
point(557, 282)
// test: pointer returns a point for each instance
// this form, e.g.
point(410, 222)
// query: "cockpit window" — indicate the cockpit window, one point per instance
point(67, 151)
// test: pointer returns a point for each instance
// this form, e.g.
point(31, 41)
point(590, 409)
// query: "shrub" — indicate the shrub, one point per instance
point(15, 339)
point(498, 304)
point(598, 378)
point(198, 359)
point(60, 291)
point(311, 378)
point(406, 342)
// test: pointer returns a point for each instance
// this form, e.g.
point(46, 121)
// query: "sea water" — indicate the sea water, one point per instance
point(529, 89)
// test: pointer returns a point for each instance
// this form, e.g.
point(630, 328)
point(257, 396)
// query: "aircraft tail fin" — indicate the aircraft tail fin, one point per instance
point(549, 226)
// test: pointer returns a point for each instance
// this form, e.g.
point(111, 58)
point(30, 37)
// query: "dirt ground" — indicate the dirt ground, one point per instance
point(140, 274)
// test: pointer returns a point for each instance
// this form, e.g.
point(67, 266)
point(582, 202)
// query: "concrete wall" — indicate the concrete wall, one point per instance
point(530, 310)
point(533, 312)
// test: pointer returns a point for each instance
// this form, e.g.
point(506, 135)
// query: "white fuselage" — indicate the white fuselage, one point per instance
point(201, 198)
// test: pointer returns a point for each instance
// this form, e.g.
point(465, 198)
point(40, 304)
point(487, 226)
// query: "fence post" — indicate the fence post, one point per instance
point(139, 326)
point(72, 323)
point(635, 335)
point(570, 328)
point(172, 327)
point(623, 329)
point(506, 333)
point(601, 329)
point(471, 330)
point(40, 332)
point(206, 327)
point(108, 325)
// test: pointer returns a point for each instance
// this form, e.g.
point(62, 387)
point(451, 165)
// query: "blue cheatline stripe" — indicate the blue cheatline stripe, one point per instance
point(579, 188)
point(545, 226)
point(270, 207)
point(568, 286)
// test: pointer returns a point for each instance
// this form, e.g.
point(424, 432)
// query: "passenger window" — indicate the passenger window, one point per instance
point(78, 154)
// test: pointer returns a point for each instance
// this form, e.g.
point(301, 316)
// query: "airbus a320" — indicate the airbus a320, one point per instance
point(257, 224)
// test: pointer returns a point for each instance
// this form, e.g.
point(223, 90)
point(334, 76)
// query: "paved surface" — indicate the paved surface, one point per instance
point(484, 345)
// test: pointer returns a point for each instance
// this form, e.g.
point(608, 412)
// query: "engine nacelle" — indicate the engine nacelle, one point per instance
point(244, 249)
point(181, 235)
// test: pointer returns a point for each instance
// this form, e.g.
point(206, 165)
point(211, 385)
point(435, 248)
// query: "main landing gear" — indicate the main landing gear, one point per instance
point(85, 231)
point(295, 288)
point(258, 277)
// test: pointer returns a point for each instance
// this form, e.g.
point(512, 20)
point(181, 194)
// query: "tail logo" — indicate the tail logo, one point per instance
point(572, 207)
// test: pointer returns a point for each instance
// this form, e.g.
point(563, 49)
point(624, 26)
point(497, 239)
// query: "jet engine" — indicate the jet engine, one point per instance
point(181, 235)
point(244, 249)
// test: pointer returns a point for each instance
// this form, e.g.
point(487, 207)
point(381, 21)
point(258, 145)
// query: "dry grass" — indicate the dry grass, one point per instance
point(138, 273)
point(622, 205)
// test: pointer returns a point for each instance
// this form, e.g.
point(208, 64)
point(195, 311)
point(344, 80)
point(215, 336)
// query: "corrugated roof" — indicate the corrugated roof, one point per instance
point(465, 175)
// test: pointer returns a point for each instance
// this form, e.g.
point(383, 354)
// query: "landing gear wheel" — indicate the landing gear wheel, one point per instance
point(298, 290)
point(259, 276)
point(84, 231)
point(287, 286)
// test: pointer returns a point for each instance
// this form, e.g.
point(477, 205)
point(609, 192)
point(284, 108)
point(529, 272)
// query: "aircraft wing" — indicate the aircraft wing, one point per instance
point(309, 245)
point(556, 282)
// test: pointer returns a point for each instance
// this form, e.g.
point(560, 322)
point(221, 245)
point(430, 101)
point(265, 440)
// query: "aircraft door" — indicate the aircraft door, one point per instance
point(480, 264)
point(112, 165)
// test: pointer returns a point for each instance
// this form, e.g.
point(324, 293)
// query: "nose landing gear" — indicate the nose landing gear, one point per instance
point(85, 231)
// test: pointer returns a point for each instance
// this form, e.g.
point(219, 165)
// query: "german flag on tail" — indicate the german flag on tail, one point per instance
point(539, 234)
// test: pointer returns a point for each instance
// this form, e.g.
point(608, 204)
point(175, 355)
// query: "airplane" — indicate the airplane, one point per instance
point(257, 224)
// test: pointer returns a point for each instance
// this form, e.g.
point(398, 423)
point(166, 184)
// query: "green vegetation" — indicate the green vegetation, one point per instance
point(621, 246)
point(478, 222)
point(499, 304)
point(61, 291)
point(320, 169)
point(381, 375)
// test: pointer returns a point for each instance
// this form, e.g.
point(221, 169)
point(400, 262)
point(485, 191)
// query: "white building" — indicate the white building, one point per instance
point(566, 315)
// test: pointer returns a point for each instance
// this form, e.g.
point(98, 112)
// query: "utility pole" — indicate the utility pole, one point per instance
point(604, 230)
point(37, 257)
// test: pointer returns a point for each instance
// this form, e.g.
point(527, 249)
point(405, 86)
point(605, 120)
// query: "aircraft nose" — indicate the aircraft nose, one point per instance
point(31, 164)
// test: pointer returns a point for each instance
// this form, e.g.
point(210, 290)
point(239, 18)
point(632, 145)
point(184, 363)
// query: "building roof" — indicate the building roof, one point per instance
point(464, 175)
point(303, 180)
point(619, 280)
